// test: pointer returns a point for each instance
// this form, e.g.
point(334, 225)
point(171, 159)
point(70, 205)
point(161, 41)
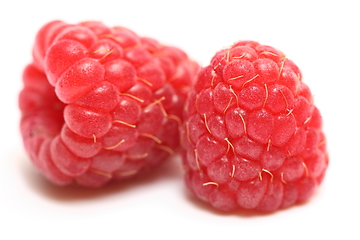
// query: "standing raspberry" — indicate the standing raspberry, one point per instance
point(253, 138)
point(101, 103)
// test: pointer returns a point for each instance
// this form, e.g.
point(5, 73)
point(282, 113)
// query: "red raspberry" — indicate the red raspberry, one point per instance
point(101, 103)
point(253, 138)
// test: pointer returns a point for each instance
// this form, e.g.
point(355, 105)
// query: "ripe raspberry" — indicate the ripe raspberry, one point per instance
point(101, 103)
point(253, 138)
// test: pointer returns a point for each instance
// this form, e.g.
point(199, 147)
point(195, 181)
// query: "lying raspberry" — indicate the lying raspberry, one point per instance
point(101, 103)
point(253, 138)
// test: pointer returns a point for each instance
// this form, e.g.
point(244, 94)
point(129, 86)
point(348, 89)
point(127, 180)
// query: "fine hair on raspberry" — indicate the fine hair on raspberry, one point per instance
point(252, 135)
point(101, 103)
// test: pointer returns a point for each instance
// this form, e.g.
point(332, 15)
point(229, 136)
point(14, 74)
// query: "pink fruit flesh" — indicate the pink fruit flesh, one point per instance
point(101, 103)
point(253, 138)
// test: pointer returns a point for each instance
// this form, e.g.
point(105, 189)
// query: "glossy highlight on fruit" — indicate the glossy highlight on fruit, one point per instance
point(252, 135)
point(101, 103)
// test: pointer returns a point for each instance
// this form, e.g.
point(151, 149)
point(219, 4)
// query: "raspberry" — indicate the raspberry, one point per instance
point(101, 103)
point(252, 135)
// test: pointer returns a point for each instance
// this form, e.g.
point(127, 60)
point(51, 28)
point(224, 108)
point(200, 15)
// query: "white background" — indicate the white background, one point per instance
point(321, 37)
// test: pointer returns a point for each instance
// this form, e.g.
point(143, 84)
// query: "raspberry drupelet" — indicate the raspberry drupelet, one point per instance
point(252, 135)
point(101, 103)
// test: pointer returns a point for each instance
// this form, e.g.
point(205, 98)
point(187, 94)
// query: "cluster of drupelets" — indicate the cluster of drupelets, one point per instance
point(101, 103)
point(253, 136)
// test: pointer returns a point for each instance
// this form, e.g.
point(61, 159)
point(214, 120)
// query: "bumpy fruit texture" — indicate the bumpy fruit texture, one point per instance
point(101, 103)
point(253, 138)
